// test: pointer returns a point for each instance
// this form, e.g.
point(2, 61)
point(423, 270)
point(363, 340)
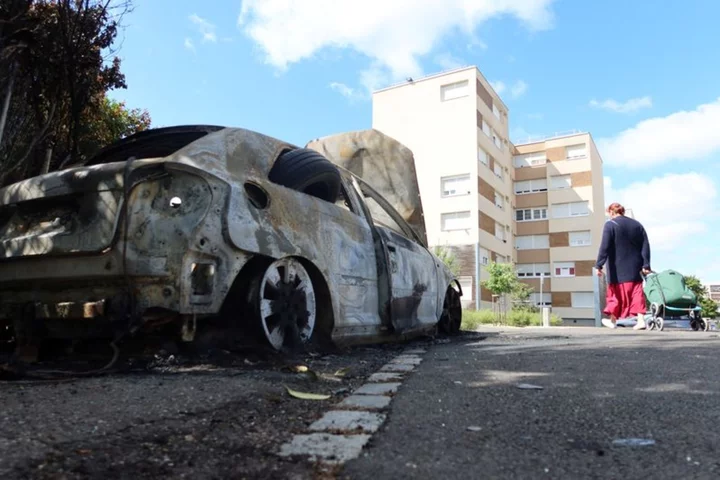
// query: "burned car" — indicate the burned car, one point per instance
point(181, 224)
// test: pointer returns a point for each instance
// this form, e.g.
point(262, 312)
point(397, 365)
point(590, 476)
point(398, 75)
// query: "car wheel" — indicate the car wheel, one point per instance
point(285, 304)
point(307, 171)
point(451, 317)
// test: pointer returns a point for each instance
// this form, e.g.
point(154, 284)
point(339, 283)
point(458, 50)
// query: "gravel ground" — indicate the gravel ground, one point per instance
point(169, 416)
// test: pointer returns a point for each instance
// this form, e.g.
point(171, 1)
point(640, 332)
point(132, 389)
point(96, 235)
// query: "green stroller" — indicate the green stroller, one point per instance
point(669, 297)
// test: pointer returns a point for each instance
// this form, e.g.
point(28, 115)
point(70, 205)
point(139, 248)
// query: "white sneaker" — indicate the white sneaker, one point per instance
point(608, 323)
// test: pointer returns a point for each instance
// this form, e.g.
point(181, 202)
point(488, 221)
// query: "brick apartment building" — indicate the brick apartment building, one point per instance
point(539, 205)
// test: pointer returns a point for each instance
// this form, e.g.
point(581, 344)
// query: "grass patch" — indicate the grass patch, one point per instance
point(472, 319)
point(520, 318)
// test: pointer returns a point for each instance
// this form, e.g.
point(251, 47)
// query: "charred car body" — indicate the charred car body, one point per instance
point(181, 224)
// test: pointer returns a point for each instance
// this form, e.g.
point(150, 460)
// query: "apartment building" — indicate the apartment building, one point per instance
point(559, 214)
point(713, 291)
point(457, 127)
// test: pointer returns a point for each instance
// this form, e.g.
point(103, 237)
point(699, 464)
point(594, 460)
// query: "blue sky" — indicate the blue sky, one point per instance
point(643, 81)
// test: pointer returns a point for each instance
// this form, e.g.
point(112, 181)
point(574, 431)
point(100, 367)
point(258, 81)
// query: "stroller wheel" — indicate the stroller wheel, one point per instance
point(705, 325)
point(659, 324)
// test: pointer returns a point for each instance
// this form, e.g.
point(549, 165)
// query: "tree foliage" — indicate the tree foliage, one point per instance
point(708, 306)
point(56, 65)
point(502, 279)
point(448, 258)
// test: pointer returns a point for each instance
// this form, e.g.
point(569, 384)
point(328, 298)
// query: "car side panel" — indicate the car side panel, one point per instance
point(336, 240)
point(414, 282)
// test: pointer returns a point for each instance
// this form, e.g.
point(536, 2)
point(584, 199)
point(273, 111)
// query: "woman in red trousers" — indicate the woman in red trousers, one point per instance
point(625, 251)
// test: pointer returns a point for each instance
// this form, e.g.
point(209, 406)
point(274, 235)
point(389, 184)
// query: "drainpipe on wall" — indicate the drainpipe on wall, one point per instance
point(477, 275)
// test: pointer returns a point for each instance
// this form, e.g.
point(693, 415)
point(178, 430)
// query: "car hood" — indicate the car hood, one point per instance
point(382, 162)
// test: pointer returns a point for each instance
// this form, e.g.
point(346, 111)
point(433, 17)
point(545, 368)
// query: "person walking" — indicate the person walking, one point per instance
point(625, 250)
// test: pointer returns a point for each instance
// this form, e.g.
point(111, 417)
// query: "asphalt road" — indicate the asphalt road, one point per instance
point(176, 417)
point(461, 414)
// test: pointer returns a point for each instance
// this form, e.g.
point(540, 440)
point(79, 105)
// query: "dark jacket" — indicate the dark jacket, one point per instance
point(626, 250)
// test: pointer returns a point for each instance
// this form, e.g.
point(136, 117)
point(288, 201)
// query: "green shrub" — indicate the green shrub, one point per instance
point(522, 318)
point(472, 319)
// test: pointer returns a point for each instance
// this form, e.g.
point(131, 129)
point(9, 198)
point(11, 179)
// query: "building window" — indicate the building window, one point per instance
point(531, 214)
point(496, 111)
point(499, 201)
point(496, 139)
point(582, 299)
point(529, 270)
point(580, 239)
point(544, 301)
point(497, 170)
point(499, 231)
point(573, 209)
point(565, 269)
point(483, 156)
point(532, 242)
point(486, 128)
point(560, 182)
point(454, 90)
point(466, 284)
point(456, 185)
point(484, 256)
point(500, 259)
point(530, 160)
point(531, 186)
point(455, 221)
point(576, 151)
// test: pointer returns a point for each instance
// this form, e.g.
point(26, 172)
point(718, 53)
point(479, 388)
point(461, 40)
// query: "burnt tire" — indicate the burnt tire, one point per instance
point(307, 171)
point(451, 317)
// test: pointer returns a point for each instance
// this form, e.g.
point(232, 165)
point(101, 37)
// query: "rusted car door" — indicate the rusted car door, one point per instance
point(408, 268)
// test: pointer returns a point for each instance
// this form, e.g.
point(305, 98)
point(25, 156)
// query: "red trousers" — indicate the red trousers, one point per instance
point(625, 300)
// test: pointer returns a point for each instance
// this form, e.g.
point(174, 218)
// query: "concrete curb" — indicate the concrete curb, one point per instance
point(341, 434)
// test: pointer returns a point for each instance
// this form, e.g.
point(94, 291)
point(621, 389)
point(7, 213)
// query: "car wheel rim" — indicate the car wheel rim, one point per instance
point(287, 303)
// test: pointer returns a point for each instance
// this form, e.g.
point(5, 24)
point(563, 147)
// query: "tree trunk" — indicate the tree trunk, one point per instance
point(48, 157)
point(6, 104)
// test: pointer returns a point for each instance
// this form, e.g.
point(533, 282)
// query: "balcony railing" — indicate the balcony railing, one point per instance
point(542, 138)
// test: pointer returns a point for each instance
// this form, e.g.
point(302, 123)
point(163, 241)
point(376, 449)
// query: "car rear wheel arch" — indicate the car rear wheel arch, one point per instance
point(239, 313)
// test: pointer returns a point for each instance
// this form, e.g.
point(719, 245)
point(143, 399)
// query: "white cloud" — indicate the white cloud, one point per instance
point(347, 92)
point(518, 89)
point(520, 135)
point(189, 45)
point(342, 89)
point(392, 34)
point(206, 29)
point(476, 42)
point(498, 86)
point(631, 106)
point(673, 208)
point(684, 135)
point(447, 62)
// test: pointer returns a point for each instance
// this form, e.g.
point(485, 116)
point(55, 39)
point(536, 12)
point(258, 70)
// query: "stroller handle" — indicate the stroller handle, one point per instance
point(644, 277)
